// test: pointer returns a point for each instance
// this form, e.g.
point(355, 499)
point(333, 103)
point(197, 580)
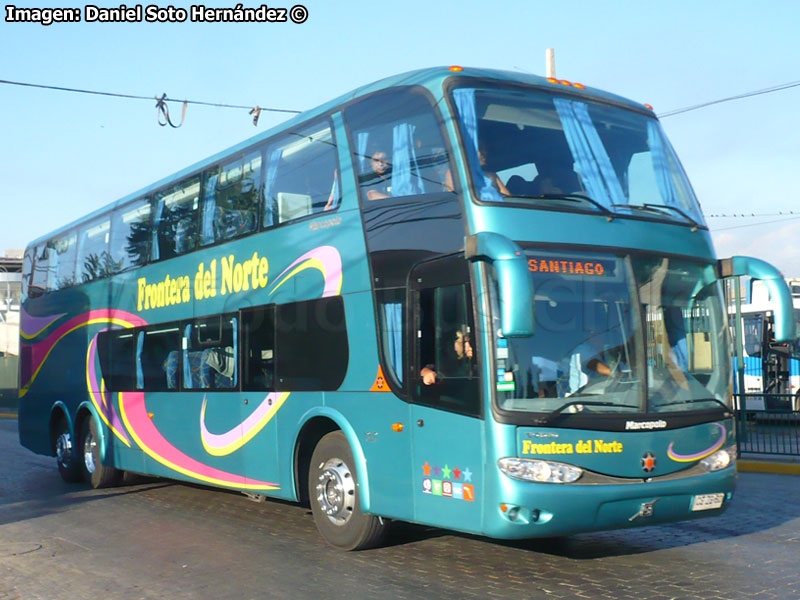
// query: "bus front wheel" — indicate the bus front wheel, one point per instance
point(333, 492)
point(95, 472)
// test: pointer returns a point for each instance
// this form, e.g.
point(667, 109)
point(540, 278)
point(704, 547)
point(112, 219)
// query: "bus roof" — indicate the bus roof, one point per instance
point(431, 78)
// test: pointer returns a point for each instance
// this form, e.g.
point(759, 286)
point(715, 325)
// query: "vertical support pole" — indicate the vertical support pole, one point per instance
point(737, 292)
point(550, 62)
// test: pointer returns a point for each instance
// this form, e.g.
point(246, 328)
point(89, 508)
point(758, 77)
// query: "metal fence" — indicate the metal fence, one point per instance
point(767, 424)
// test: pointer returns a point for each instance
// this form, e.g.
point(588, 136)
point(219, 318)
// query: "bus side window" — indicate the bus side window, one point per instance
point(209, 353)
point(41, 270)
point(63, 255)
point(175, 221)
point(117, 351)
point(301, 176)
point(398, 147)
point(258, 340)
point(27, 274)
point(391, 319)
point(446, 345)
point(130, 232)
point(94, 260)
point(231, 196)
point(158, 358)
point(312, 351)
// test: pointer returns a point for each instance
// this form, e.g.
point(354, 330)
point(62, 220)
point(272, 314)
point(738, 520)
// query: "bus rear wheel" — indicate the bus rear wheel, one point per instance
point(66, 455)
point(95, 473)
point(335, 503)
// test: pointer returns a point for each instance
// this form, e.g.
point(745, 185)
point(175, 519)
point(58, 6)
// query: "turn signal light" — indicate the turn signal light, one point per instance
point(397, 427)
point(456, 68)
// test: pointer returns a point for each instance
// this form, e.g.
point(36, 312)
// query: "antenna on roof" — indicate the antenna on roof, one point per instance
point(550, 62)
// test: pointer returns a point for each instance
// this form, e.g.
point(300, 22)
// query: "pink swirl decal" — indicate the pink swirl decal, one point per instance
point(327, 260)
point(149, 438)
point(223, 444)
point(31, 326)
point(40, 351)
point(703, 453)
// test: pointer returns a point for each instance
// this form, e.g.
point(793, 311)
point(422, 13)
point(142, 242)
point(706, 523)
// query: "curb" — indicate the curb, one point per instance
point(757, 466)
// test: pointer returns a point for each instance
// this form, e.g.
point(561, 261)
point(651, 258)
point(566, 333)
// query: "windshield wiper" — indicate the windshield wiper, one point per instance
point(545, 420)
point(662, 209)
point(694, 400)
point(576, 197)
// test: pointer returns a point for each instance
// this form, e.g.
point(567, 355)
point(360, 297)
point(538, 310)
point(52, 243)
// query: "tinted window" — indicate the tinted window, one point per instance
point(258, 333)
point(41, 270)
point(94, 260)
point(231, 196)
point(302, 175)
point(175, 222)
point(398, 146)
point(312, 351)
point(129, 235)
point(391, 319)
point(27, 271)
point(210, 353)
point(158, 358)
point(62, 262)
point(117, 358)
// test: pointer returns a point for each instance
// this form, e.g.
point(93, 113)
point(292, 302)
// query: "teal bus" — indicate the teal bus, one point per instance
point(467, 298)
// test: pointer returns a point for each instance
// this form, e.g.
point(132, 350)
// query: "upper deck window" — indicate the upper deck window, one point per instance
point(175, 222)
point(398, 146)
point(94, 260)
point(232, 193)
point(553, 151)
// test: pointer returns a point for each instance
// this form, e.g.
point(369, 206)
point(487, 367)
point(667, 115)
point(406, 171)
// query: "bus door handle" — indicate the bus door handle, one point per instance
point(420, 423)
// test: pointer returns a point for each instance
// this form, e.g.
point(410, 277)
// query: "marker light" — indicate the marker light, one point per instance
point(564, 82)
point(552, 80)
point(398, 427)
point(720, 459)
point(543, 471)
point(456, 68)
point(580, 86)
point(648, 106)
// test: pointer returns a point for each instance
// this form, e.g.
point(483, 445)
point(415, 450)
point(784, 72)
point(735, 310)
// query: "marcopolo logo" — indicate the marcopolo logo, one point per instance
point(637, 425)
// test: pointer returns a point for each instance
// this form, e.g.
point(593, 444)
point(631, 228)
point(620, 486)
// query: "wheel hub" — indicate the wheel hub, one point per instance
point(89, 449)
point(336, 491)
point(64, 448)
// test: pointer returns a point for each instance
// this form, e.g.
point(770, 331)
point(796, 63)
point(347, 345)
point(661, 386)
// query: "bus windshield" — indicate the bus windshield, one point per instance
point(559, 151)
point(619, 335)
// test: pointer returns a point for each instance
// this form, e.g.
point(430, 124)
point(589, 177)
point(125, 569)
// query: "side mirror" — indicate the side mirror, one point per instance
point(779, 292)
point(513, 277)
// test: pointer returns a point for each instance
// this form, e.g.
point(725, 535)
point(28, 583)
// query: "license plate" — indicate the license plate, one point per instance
point(707, 501)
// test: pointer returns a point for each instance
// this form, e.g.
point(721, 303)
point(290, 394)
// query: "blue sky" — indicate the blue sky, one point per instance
point(65, 155)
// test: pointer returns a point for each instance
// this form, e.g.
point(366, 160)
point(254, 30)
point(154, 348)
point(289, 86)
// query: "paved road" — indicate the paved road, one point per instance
point(169, 540)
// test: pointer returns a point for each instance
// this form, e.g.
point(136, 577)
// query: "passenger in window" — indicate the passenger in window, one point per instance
point(378, 181)
point(493, 177)
point(460, 363)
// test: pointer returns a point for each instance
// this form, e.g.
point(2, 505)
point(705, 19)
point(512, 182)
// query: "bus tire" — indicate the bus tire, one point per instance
point(95, 473)
point(66, 453)
point(334, 496)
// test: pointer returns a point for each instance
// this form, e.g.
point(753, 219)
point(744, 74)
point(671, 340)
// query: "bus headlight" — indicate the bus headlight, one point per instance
point(720, 459)
point(543, 471)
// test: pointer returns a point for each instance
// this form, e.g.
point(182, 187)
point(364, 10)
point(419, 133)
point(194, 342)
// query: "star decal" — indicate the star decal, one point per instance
point(467, 474)
point(436, 470)
point(446, 472)
point(457, 472)
point(426, 469)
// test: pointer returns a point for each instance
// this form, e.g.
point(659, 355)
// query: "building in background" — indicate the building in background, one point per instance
point(10, 288)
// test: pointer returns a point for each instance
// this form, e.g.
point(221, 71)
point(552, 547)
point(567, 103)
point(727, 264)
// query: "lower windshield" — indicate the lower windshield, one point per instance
point(617, 335)
point(688, 357)
point(587, 344)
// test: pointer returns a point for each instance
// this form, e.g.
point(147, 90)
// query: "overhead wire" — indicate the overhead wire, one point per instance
point(775, 88)
point(161, 106)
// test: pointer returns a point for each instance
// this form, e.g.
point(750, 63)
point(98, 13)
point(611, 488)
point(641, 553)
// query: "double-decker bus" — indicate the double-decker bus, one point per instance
point(467, 298)
point(770, 370)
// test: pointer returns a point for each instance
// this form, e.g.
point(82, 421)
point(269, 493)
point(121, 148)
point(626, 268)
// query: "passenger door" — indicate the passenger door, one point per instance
point(447, 437)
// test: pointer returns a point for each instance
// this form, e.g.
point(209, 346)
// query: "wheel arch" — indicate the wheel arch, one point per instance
point(312, 427)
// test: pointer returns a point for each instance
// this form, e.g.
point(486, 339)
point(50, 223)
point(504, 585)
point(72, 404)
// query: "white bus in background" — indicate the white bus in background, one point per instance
point(771, 370)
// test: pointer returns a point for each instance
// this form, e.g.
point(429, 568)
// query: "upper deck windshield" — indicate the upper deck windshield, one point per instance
point(617, 335)
point(557, 151)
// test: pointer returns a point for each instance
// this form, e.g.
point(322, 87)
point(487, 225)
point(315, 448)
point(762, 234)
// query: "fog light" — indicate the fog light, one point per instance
point(720, 459)
point(542, 471)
